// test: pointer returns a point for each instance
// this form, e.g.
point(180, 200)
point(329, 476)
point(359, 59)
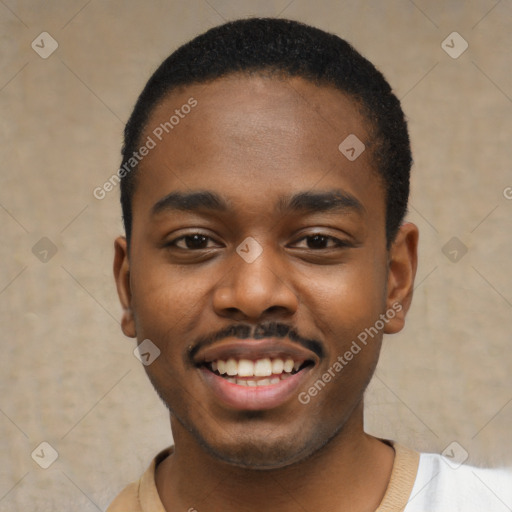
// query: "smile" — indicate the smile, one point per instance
point(254, 374)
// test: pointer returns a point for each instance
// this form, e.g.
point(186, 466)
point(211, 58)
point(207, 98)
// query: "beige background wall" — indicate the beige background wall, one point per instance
point(68, 375)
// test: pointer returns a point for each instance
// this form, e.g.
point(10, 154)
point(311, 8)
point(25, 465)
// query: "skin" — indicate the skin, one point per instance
point(252, 140)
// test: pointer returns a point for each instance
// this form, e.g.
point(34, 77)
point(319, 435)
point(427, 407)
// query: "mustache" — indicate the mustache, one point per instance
point(260, 331)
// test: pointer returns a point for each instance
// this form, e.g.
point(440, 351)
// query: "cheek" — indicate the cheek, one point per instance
point(343, 300)
point(166, 303)
point(346, 304)
point(166, 307)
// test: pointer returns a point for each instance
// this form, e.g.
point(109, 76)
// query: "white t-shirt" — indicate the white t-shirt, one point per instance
point(443, 486)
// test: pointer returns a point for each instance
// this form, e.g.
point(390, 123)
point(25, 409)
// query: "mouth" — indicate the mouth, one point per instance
point(255, 374)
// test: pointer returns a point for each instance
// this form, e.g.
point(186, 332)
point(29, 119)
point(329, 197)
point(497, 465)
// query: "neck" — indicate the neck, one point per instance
point(357, 465)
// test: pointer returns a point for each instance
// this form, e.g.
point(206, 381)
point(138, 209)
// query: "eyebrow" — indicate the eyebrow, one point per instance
point(328, 201)
point(190, 202)
point(305, 202)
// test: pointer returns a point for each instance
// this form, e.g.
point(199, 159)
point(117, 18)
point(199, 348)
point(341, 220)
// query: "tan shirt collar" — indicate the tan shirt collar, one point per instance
point(143, 496)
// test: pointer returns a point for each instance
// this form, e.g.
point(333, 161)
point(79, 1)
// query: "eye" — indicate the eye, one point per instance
point(321, 241)
point(192, 241)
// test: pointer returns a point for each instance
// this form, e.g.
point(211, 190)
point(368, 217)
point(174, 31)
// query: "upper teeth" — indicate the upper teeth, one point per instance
point(258, 368)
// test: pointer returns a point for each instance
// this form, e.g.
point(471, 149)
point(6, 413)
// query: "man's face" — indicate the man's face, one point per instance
point(277, 252)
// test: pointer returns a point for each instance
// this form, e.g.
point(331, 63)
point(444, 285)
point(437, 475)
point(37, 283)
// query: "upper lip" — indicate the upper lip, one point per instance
point(253, 350)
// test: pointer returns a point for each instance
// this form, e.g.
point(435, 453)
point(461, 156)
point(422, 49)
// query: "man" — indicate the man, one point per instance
point(265, 179)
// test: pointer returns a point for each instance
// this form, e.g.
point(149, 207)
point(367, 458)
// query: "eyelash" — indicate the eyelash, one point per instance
point(337, 242)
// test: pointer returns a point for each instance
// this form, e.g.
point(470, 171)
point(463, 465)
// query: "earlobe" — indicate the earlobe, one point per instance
point(122, 277)
point(402, 265)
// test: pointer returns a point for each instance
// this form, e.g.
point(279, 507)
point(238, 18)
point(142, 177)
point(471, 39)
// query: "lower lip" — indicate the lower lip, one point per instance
point(254, 398)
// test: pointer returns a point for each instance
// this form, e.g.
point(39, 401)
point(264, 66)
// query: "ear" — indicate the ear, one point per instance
point(402, 264)
point(122, 277)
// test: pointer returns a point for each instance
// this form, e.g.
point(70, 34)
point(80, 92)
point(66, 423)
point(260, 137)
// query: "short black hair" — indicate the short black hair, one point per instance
point(293, 49)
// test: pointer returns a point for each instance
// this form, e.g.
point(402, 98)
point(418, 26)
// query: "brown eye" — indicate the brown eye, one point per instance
point(191, 242)
point(319, 241)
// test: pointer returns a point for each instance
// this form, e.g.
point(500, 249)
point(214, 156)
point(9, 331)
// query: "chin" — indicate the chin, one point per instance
point(263, 456)
point(266, 451)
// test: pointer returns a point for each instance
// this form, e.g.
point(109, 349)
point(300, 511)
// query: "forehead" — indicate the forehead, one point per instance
point(264, 112)
point(253, 139)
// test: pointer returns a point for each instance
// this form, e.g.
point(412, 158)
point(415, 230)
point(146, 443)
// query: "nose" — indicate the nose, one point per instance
point(255, 290)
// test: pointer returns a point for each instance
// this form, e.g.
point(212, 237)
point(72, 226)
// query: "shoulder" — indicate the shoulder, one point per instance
point(141, 496)
point(442, 484)
point(127, 500)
